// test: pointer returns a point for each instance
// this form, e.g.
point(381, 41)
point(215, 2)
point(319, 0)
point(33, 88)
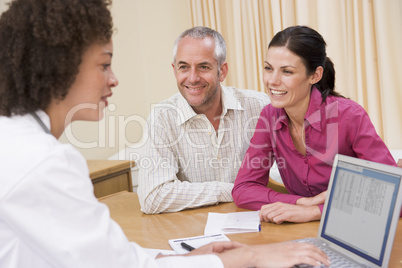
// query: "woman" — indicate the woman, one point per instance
point(305, 125)
point(56, 68)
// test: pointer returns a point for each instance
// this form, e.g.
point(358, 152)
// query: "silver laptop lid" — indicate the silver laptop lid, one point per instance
point(362, 209)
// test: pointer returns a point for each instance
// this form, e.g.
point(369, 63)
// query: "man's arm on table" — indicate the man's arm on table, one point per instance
point(159, 188)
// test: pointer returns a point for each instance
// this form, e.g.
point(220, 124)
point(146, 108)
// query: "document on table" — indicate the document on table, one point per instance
point(195, 242)
point(155, 252)
point(235, 222)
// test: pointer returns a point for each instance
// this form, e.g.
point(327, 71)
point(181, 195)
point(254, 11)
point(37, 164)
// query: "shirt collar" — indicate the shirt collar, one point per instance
point(186, 112)
point(229, 102)
point(313, 114)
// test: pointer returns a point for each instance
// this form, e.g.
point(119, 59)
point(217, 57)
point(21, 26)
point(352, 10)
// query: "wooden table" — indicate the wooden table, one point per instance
point(154, 231)
point(110, 176)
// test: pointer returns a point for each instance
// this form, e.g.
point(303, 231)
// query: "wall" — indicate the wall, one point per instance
point(143, 43)
point(3, 5)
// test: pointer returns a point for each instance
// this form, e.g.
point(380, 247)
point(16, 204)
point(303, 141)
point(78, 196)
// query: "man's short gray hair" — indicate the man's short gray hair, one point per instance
point(201, 32)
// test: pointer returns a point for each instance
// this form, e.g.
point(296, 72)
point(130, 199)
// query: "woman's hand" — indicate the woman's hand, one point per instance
point(280, 212)
point(274, 255)
point(234, 254)
point(306, 209)
point(312, 201)
point(211, 248)
point(215, 247)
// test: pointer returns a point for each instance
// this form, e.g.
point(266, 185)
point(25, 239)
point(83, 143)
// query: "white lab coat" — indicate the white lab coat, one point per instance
point(49, 216)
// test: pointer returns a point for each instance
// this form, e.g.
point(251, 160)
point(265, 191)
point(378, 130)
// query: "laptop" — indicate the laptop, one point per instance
point(360, 214)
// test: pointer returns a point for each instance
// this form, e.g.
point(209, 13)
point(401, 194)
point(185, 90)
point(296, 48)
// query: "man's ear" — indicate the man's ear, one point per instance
point(223, 71)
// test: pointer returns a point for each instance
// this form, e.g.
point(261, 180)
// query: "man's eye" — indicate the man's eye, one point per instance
point(204, 68)
point(182, 67)
point(106, 66)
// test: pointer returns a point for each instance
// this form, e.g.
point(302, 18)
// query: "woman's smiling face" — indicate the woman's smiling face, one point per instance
point(285, 77)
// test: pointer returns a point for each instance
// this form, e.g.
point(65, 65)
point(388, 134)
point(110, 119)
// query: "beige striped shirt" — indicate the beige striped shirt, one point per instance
point(185, 162)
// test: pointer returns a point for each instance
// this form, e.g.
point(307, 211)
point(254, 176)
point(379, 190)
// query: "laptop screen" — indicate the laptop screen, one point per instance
point(359, 210)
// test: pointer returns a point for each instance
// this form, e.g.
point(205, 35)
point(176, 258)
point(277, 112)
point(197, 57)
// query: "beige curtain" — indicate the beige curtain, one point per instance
point(364, 40)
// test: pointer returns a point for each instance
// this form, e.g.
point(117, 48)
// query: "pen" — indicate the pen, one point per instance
point(186, 246)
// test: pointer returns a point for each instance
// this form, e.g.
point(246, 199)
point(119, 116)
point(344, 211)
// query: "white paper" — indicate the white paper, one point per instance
point(155, 252)
point(235, 222)
point(195, 241)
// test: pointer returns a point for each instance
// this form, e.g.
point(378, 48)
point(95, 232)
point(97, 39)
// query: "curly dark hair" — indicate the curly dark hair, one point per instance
point(41, 46)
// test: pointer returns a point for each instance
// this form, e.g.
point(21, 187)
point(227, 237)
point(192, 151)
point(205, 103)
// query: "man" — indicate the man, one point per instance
point(197, 139)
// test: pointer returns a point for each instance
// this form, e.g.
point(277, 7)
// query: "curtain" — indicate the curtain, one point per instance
point(364, 40)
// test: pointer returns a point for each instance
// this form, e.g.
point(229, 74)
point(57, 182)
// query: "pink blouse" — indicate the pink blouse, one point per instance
point(338, 125)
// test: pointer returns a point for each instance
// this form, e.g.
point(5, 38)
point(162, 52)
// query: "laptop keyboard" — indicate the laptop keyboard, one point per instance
point(336, 260)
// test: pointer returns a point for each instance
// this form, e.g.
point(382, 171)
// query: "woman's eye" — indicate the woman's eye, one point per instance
point(267, 68)
point(106, 66)
point(287, 72)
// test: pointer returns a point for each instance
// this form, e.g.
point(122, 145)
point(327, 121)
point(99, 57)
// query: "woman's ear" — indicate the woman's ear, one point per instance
point(317, 75)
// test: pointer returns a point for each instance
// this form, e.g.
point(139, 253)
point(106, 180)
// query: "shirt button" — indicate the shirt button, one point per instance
point(305, 161)
point(304, 182)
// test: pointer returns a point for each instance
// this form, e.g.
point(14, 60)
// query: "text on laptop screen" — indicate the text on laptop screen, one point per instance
point(362, 200)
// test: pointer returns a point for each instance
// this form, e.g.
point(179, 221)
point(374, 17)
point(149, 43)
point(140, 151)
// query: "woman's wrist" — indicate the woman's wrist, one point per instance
point(302, 201)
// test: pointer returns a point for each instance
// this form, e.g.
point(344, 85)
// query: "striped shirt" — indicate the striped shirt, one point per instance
point(185, 162)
